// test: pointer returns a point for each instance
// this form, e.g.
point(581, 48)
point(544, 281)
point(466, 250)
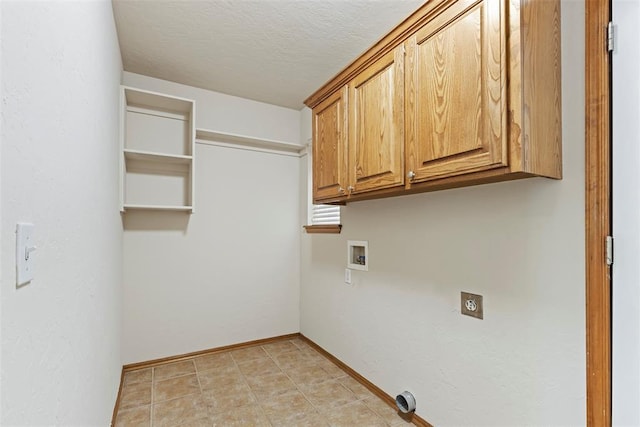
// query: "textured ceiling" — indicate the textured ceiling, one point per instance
point(275, 51)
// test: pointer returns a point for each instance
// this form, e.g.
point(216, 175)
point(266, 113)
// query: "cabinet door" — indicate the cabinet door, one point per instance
point(456, 79)
point(376, 125)
point(329, 145)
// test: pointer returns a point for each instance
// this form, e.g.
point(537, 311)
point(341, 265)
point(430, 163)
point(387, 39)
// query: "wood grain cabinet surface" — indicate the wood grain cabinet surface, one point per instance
point(376, 125)
point(462, 92)
point(329, 130)
point(456, 110)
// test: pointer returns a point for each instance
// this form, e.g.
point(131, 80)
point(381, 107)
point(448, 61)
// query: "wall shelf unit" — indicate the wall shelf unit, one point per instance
point(157, 151)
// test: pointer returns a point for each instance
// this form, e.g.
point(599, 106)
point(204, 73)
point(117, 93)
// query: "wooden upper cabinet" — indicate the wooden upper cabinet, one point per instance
point(376, 125)
point(462, 92)
point(456, 100)
point(329, 145)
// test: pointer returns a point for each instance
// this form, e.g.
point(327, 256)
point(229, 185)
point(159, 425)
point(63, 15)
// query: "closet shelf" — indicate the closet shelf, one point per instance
point(207, 135)
point(141, 155)
point(158, 208)
point(157, 102)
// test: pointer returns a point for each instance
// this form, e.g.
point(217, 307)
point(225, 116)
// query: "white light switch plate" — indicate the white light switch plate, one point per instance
point(25, 245)
point(347, 276)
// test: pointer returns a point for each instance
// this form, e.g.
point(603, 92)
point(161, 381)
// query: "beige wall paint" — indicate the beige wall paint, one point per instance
point(230, 272)
point(519, 244)
point(61, 334)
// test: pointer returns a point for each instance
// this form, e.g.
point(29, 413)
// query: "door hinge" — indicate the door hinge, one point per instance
point(609, 250)
point(610, 37)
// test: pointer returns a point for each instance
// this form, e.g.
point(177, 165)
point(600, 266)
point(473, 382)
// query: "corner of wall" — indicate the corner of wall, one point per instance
point(399, 324)
point(235, 261)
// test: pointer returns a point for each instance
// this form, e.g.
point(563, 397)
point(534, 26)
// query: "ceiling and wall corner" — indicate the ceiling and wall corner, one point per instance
point(226, 113)
point(277, 52)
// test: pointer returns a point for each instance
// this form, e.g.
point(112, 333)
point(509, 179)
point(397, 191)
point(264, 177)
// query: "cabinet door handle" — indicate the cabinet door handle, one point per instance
point(350, 188)
point(411, 175)
point(341, 190)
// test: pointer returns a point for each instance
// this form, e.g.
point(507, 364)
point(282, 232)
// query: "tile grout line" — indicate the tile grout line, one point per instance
point(347, 375)
point(363, 399)
point(338, 380)
point(294, 383)
point(270, 357)
point(176, 376)
point(152, 405)
point(315, 407)
point(195, 367)
point(300, 348)
point(153, 382)
point(129, 384)
point(246, 383)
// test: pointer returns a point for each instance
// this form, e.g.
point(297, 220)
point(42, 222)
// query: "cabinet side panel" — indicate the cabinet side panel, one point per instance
point(514, 89)
point(541, 88)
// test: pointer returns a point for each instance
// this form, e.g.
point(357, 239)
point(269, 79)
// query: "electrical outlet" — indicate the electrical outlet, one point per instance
point(471, 305)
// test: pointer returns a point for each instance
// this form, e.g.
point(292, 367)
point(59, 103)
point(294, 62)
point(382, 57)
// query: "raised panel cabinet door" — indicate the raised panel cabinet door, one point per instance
point(329, 145)
point(456, 92)
point(376, 125)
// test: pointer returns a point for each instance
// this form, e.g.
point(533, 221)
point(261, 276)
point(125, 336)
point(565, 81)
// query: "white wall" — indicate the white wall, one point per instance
point(61, 333)
point(1, 144)
point(626, 218)
point(519, 244)
point(230, 272)
point(226, 113)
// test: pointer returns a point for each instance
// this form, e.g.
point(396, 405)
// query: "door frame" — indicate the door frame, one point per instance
point(597, 212)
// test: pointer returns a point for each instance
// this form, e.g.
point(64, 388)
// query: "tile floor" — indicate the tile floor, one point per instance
point(283, 383)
